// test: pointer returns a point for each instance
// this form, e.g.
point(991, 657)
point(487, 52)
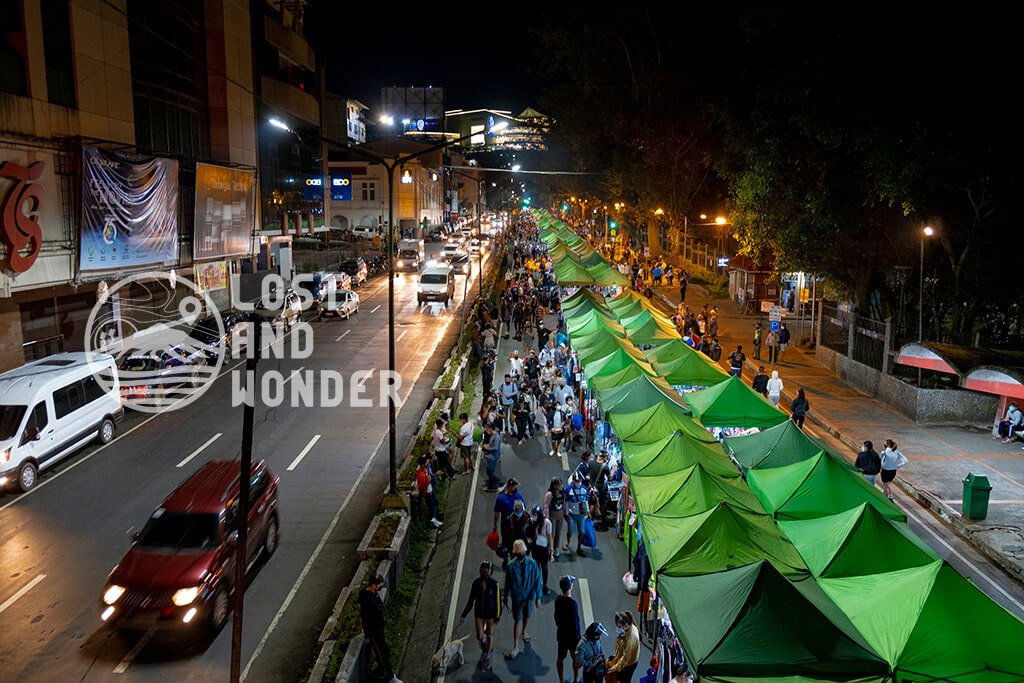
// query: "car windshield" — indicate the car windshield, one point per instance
point(433, 279)
point(408, 253)
point(179, 530)
point(10, 420)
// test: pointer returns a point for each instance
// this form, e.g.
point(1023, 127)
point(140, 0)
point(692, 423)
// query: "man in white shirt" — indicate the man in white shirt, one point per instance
point(562, 393)
point(515, 365)
point(466, 442)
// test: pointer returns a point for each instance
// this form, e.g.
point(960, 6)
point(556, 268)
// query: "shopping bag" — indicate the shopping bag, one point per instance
point(589, 534)
point(492, 540)
point(630, 584)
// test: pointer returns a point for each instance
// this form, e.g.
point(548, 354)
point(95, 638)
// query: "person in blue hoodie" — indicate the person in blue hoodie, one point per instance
point(523, 586)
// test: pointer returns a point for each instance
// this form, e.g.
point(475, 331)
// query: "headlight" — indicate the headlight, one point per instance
point(185, 596)
point(112, 594)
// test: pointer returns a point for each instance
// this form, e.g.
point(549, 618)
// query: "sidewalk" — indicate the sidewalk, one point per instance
point(461, 549)
point(940, 456)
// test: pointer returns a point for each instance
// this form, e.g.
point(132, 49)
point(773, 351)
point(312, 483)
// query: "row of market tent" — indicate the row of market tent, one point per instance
point(774, 558)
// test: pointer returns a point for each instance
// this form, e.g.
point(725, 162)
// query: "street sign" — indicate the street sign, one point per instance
point(766, 305)
point(773, 325)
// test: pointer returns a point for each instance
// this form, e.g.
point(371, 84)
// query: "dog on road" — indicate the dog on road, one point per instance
point(451, 651)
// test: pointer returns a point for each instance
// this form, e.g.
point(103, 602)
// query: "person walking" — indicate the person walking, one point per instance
point(492, 457)
point(760, 382)
point(539, 536)
point(627, 648)
point(466, 442)
point(505, 505)
point(683, 282)
point(485, 603)
point(774, 388)
point(783, 342)
point(758, 338)
point(567, 627)
point(799, 408)
point(772, 342)
point(425, 487)
point(442, 444)
point(507, 391)
point(590, 654)
point(892, 459)
point(556, 429)
point(577, 505)
point(554, 510)
point(868, 462)
point(736, 360)
point(371, 614)
point(523, 590)
point(522, 415)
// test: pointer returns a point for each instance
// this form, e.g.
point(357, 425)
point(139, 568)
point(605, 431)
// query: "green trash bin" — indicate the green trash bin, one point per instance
point(976, 492)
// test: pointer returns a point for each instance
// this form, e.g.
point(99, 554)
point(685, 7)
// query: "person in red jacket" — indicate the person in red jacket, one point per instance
point(425, 486)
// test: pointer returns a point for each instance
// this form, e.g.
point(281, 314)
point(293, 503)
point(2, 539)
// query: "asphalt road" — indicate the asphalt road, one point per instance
point(58, 542)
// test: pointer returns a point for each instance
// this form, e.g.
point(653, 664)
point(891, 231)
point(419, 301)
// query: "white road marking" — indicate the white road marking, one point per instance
point(342, 335)
point(302, 453)
point(453, 603)
point(565, 460)
point(588, 611)
point(399, 337)
point(199, 450)
point(25, 589)
point(312, 558)
point(128, 658)
point(375, 308)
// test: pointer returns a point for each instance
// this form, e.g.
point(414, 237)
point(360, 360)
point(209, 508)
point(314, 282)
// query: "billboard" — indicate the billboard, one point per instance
point(225, 212)
point(313, 188)
point(341, 187)
point(129, 210)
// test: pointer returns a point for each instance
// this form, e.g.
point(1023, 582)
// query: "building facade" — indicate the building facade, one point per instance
point(82, 80)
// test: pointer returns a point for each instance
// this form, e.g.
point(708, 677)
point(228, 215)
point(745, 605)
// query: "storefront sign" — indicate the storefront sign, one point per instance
point(313, 188)
point(129, 210)
point(211, 276)
point(19, 214)
point(225, 214)
point(341, 187)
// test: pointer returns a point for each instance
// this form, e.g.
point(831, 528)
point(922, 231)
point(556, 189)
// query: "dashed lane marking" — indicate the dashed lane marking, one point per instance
point(303, 452)
point(24, 589)
point(199, 450)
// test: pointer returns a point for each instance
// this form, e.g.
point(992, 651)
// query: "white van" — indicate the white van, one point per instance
point(50, 408)
point(437, 283)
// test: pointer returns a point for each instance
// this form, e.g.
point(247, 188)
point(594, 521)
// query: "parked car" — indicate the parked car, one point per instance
point(147, 373)
point(179, 572)
point(323, 282)
point(52, 407)
point(437, 283)
point(342, 303)
point(283, 314)
point(235, 325)
point(357, 270)
point(342, 280)
point(366, 231)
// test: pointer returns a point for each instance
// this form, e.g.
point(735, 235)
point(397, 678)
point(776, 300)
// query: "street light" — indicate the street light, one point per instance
point(387, 120)
point(659, 212)
point(720, 220)
point(515, 167)
point(928, 231)
point(278, 123)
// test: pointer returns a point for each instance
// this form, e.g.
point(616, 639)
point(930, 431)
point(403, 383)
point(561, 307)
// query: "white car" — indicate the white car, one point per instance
point(450, 251)
point(342, 303)
point(474, 246)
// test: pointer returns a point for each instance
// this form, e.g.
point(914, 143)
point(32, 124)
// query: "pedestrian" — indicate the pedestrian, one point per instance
point(567, 627)
point(736, 360)
point(783, 342)
point(504, 507)
point(714, 350)
point(799, 407)
point(772, 342)
point(487, 372)
point(681, 674)
point(442, 444)
point(868, 462)
point(371, 614)
point(554, 510)
point(590, 654)
point(485, 603)
point(760, 382)
point(1012, 423)
point(557, 429)
point(507, 392)
point(543, 335)
point(521, 413)
point(891, 460)
point(774, 387)
point(515, 526)
point(758, 334)
point(577, 506)
point(466, 442)
point(425, 487)
point(627, 648)
point(539, 535)
point(523, 591)
point(492, 457)
point(683, 282)
point(599, 475)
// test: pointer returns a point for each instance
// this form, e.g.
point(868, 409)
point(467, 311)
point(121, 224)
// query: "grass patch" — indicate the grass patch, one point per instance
point(385, 532)
point(398, 612)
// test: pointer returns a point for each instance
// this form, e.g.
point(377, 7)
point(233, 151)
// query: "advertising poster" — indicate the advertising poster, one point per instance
point(225, 212)
point(129, 210)
point(211, 276)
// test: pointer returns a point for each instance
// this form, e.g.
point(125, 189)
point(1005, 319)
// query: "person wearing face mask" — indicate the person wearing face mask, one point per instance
point(627, 647)
point(590, 654)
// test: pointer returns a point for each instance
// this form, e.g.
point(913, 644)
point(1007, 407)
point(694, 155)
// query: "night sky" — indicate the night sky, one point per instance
point(479, 64)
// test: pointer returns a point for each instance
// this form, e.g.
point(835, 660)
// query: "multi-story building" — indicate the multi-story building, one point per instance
point(86, 85)
point(524, 132)
point(345, 119)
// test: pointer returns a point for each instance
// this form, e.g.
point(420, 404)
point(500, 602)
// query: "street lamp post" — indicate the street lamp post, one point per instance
point(928, 231)
point(479, 234)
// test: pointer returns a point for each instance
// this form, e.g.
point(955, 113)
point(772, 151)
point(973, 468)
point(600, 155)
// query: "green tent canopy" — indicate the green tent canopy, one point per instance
point(651, 333)
point(626, 374)
point(783, 444)
point(588, 322)
point(673, 350)
point(591, 260)
point(585, 297)
point(615, 361)
point(932, 624)
point(570, 272)
point(856, 542)
point(640, 319)
point(692, 370)
point(677, 451)
point(819, 486)
point(630, 308)
point(733, 404)
point(626, 300)
point(599, 344)
point(689, 492)
point(638, 394)
point(752, 624)
point(657, 422)
point(723, 537)
point(605, 275)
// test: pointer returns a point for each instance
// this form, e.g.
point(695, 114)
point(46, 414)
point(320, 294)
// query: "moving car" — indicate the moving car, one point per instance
point(52, 407)
point(460, 263)
point(356, 268)
point(411, 254)
point(285, 314)
point(342, 303)
point(179, 571)
point(474, 246)
point(437, 283)
point(450, 251)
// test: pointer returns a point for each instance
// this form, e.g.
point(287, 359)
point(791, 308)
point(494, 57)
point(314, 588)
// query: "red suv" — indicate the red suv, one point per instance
point(179, 571)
